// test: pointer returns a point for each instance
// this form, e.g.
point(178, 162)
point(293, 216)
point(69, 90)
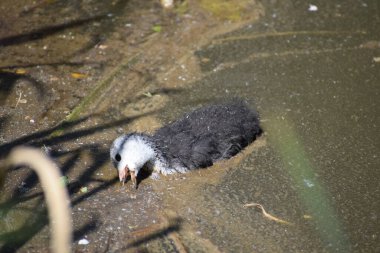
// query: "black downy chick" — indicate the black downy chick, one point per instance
point(197, 140)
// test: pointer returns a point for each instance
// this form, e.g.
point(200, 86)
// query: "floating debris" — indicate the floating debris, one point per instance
point(312, 7)
point(83, 242)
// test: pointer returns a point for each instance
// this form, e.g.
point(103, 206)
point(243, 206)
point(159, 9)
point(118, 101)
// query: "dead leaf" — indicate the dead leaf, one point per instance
point(20, 71)
point(78, 75)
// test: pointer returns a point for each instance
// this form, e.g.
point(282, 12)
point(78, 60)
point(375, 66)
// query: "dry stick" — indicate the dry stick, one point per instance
point(267, 215)
point(19, 99)
point(55, 193)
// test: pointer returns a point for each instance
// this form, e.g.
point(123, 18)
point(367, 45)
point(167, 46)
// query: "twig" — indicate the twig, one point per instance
point(267, 215)
point(19, 99)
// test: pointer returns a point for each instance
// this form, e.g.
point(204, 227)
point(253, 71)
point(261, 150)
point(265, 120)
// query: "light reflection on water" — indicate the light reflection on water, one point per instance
point(313, 194)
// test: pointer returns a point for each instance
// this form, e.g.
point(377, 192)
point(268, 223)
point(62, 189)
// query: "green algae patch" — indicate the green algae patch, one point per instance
point(182, 7)
point(231, 10)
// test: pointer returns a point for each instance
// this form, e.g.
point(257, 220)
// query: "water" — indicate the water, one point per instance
point(312, 75)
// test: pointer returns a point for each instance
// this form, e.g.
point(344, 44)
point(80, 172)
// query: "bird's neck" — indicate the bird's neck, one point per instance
point(143, 151)
point(139, 151)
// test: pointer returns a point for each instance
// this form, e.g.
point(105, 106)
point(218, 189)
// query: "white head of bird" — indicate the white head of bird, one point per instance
point(129, 153)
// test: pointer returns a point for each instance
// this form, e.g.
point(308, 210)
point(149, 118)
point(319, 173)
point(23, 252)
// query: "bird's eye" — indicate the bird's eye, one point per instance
point(117, 157)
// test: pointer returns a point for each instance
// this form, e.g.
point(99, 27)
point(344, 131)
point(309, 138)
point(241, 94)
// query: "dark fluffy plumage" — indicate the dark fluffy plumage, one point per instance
point(208, 134)
point(197, 140)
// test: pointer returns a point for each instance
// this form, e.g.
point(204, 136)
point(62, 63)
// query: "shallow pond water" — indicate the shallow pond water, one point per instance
point(313, 75)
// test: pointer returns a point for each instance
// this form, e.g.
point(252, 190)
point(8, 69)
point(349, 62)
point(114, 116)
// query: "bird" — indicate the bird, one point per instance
point(197, 140)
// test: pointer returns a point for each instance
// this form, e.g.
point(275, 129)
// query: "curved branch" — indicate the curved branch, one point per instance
point(57, 198)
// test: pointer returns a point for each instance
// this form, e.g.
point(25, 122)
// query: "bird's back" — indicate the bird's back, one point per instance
point(208, 134)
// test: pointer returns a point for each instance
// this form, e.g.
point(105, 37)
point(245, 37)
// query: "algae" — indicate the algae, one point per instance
point(228, 10)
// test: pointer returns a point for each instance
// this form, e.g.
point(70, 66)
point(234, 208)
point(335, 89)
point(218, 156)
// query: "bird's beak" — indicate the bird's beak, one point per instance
point(123, 174)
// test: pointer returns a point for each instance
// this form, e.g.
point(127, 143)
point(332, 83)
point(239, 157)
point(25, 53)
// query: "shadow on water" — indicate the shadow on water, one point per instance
point(116, 8)
point(16, 239)
point(34, 218)
point(45, 31)
point(99, 155)
point(152, 234)
point(52, 64)
point(9, 78)
point(11, 241)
